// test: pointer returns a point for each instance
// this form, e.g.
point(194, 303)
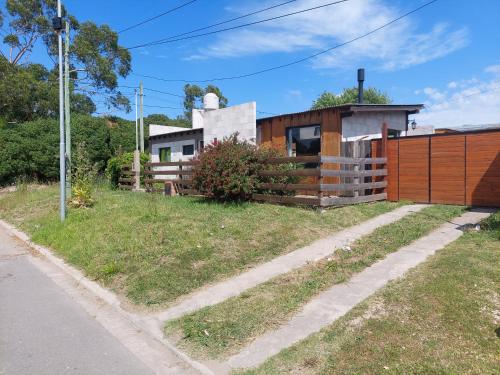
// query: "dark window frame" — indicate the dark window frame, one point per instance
point(184, 150)
point(289, 135)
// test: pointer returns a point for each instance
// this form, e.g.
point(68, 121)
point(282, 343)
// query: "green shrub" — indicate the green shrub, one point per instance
point(115, 165)
point(228, 170)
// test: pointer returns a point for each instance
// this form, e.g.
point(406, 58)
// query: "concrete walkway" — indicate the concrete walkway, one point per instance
point(338, 300)
point(283, 264)
point(43, 331)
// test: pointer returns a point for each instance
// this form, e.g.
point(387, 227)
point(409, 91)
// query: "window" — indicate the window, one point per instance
point(304, 140)
point(165, 155)
point(392, 133)
point(188, 150)
point(201, 144)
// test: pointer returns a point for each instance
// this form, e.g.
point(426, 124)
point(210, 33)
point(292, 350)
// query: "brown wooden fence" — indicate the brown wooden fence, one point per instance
point(309, 180)
point(445, 168)
point(126, 180)
point(181, 171)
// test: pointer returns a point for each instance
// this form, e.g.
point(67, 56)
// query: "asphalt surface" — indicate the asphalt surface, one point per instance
point(44, 331)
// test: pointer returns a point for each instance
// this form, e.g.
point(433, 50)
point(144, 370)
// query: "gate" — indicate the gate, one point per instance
point(445, 168)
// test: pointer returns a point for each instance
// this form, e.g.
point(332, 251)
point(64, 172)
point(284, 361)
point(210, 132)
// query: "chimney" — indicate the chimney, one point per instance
point(361, 79)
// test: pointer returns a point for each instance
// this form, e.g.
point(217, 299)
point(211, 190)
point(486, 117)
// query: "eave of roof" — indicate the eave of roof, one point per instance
point(353, 107)
point(177, 134)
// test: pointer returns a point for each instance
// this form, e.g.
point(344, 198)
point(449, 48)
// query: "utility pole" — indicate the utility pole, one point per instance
point(58, 27)
point(67, 117)
point(136, 123)
point(141, 97)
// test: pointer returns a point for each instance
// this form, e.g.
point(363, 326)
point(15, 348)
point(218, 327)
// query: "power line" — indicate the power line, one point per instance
point(293, 62)
point(153, 90)
point(170, 40)
point(157, 16)
point(162, 107)
point(164, 92)
point(228, 21)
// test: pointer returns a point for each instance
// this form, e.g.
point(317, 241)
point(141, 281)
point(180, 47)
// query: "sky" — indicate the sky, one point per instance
point(446, 56)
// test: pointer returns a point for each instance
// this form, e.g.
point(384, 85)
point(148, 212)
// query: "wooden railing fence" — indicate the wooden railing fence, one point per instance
point(302, 180)
point(126, 180)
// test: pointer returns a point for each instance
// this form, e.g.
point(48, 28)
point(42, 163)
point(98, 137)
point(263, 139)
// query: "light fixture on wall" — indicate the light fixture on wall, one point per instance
point(413, 124)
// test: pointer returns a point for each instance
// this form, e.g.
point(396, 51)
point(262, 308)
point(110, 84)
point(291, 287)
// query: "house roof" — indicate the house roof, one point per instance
point(410, 108)
point(177, 134)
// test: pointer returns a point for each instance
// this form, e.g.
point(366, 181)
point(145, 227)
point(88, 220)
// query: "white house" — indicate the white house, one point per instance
point(173, 144)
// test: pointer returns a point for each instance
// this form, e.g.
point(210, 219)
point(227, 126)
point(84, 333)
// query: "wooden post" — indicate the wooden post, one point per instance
point(355, 180)
point(385, 136)
point(320, 180)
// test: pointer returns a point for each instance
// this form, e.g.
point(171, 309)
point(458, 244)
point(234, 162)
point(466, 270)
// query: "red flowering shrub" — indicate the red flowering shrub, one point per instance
point(228, 170)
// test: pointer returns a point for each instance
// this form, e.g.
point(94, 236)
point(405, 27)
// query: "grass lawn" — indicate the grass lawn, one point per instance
point(154, 249)
point(220, 330)
point(442, 318)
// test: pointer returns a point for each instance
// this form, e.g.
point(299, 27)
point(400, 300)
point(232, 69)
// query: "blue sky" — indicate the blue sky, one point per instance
point(447, 55)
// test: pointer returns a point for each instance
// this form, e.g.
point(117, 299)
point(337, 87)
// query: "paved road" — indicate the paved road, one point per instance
point(43, 331)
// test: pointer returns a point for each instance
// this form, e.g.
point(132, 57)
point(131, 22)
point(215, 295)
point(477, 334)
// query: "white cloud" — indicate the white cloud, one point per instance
point(467, 102)
point(398, 46)
point(494, 69)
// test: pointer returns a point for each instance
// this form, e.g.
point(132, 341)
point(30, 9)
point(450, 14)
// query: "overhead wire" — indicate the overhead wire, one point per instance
point(157, 16)
point(170, 40)
point(295, 62)
point(231, 20)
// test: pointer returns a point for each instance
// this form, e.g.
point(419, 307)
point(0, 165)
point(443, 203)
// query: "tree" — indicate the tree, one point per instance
point(193, 97)
point(31, 92)
point(94, 49)
point(161, 119)
point(371, 96)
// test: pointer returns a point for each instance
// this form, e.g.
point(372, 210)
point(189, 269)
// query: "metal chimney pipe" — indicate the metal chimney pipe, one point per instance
point(361, 79)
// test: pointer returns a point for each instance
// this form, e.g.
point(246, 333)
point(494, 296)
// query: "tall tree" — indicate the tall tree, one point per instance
point(31, 92)
point(97, 60)
point(193, 97)
point(371, 96)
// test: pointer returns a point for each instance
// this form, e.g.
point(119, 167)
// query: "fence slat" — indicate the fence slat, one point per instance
point(294, 159)
point(347, 187)
point(339, 201)
point(313, 201)
point(294, 172)
point(346, 160)
point(169, 173)
point(290, 187)
point(341, 173)
point(172, 164)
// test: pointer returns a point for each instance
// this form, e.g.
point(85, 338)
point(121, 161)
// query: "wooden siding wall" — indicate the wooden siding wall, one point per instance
point(448, 169)
point(273, 134)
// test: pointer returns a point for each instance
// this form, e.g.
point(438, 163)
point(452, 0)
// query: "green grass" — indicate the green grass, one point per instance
point(154, 249)
point(222, 329)
point(442, 318)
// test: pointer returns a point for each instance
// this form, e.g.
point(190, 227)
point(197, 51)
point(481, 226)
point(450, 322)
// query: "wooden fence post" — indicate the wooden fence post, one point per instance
point(385, 136)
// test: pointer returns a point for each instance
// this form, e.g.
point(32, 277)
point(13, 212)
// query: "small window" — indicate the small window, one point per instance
point(188, 150)
point(304, 141)
point(392, 133)
point(165, 155)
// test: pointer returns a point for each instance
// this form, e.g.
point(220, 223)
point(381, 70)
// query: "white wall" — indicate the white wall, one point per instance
point(162, 129)
point(368, 125)
point(176, 150)
point(223, 122)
